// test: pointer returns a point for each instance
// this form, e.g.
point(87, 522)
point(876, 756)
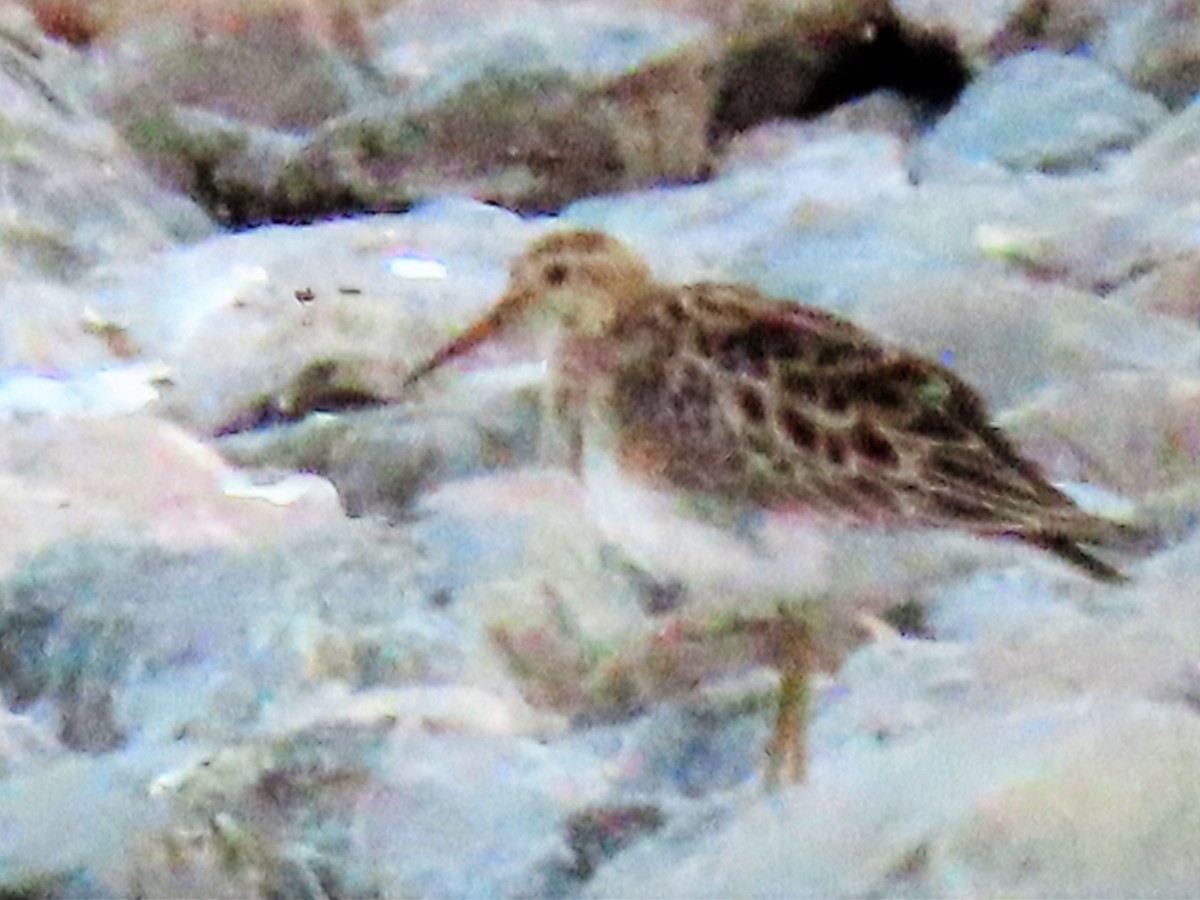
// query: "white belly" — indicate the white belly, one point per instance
point(771, 558)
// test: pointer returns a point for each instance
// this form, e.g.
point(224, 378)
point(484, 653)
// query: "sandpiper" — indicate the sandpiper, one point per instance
point(725, 406)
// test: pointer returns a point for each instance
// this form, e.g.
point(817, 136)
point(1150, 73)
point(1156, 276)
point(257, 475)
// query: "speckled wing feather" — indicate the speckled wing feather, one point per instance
point(724, 392)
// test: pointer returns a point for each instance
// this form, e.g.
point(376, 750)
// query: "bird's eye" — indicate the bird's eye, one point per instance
point(555, 274)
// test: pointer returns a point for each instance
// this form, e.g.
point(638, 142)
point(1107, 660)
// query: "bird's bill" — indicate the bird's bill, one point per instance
point(500, 316)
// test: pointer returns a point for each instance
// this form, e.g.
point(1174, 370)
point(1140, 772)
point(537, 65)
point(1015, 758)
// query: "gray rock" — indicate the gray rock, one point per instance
point(624, 105)
point(437, 50)
point(990, 827)
point(1043, 111)
point(325, 318)
point(381, 461)
point(1155, 47)
point(498, 104)
point(973, 25)
point(72, 194)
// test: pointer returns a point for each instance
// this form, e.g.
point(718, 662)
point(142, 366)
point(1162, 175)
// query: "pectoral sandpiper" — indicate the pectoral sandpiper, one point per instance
point(713, 396)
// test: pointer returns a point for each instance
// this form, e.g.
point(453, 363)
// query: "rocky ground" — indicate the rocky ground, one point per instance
point(264, 632)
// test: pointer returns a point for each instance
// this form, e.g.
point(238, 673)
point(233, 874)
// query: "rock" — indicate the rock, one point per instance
point(976, 824)
point(55, 851)
point(25, 744)
point(85, 23)
point(306, 811)
point(382, 461)
point(1089, 850)
point(1171, 289)
point(514, 114)
point(1162, 164)
point(1156, 47)
point(626, 106)
point(324, 319)
point(92, 391)
point(186, 106)
point(74, 195)
point(299, 78)
point(133, 478)
point(49, 332)
point(600, 833)
point(973, 25)
point(73, 198)
point(1151, 45)
point(1024, 114)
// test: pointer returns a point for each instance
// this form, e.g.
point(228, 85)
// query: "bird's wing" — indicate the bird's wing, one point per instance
point(779, 405)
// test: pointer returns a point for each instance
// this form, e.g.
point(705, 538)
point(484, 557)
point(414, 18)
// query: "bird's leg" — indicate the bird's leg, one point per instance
point(790, 647)
point(788, 642)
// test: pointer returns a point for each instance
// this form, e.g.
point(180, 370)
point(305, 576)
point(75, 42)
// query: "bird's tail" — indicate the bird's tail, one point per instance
point(1078, 543)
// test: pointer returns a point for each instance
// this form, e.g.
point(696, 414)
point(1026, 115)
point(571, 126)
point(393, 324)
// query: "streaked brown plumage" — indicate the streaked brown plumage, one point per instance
point(718, 390)
point(719, 394)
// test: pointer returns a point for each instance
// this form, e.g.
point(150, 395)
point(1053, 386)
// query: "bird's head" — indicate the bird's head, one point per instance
point(576, 280)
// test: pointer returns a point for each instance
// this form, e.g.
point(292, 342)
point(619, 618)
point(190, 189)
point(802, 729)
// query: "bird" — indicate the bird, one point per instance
point(715, 403)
